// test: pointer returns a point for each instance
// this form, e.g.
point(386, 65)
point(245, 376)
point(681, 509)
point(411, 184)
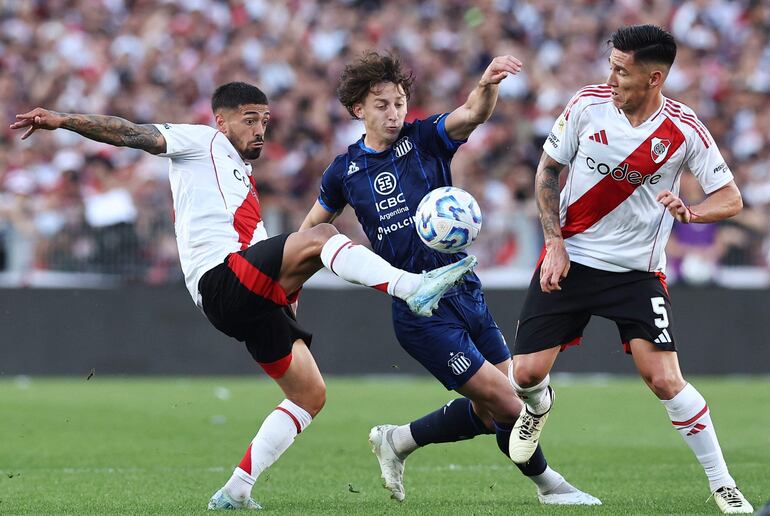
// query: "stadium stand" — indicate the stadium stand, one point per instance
point(73, 211)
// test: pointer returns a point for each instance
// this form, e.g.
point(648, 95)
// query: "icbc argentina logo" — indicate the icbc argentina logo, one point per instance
point(659, 149)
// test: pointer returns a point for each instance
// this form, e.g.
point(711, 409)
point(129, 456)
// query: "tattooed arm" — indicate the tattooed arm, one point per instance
point(101, 128)
point(555, 264)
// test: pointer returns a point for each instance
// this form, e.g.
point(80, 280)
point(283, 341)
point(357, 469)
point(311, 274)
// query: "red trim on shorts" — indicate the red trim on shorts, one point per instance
point(294, 296)
point(278, 368)
point(692, 419)
point(296, 421)
point(574, 342)
point(662, 278)
point(245, 464)
point(627, 347)
point(256, 281)
point(334, 257)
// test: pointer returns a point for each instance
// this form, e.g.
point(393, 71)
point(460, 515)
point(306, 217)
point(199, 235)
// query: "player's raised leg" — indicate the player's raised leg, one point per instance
point(308, 250)
point(690, 416)
point(528, 374)
point(305, 393)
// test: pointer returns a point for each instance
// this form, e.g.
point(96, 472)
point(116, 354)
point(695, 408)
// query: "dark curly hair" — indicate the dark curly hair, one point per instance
point(372, 68)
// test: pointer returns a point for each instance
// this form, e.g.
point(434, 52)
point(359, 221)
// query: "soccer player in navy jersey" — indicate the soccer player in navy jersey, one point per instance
point(383, 176)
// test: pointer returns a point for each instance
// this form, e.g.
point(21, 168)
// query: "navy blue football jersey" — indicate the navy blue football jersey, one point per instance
point(384, 188)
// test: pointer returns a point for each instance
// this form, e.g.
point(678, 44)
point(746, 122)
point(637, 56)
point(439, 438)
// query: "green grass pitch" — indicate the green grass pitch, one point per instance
point(163, 446)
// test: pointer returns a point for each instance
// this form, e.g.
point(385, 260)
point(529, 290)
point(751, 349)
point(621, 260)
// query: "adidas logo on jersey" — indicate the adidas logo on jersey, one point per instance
point(353, 168)
point(600, 137)
point(402, 147)
point(663, 338)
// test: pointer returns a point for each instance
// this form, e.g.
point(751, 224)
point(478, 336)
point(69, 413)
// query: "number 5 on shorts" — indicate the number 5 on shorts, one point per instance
point(659, 307)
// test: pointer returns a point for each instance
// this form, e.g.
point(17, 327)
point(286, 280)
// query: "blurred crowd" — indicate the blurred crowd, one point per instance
point(71, 205)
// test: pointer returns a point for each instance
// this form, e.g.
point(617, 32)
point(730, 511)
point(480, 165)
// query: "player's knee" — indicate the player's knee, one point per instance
point(312, 398)
point(665, 386)
point(524, 374)
point(316, 237)
point(323, 232)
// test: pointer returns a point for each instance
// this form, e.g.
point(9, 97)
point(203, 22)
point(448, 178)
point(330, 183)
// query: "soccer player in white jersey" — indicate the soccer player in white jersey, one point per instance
point(626, 146)
point(243, 281)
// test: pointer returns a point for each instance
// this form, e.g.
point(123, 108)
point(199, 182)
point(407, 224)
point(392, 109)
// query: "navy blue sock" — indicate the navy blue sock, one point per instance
point(536, 464)
point(455, 421)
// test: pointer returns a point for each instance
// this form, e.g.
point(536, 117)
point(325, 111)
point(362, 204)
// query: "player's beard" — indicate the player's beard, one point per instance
point(251, 155)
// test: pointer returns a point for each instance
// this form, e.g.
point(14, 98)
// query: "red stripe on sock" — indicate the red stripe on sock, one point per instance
point(382, 287)
point(278, 368)
point(692, 419)
point(296, 421)
point(245, 464)
point(331, 263)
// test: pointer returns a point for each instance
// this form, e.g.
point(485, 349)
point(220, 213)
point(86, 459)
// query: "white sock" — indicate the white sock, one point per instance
point(690, 415)
point(547, 481)
point(536, 398)
point(357, 264)
point(403, 442)
point(276, 434)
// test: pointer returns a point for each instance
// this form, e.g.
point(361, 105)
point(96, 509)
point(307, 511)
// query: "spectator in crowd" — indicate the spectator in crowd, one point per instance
point(149, 61)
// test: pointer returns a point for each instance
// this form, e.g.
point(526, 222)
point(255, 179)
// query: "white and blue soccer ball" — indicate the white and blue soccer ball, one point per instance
point(448, 219)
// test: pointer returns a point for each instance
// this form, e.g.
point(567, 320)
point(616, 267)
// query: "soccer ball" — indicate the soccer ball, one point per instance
point(448, 219)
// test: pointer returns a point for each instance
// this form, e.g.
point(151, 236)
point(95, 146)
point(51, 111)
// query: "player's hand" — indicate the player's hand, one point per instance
point(555, 265)
point(499, 69)
point(675, 206)
point(38, 118)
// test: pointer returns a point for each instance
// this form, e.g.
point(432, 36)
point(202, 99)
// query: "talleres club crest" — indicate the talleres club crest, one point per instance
point(659, 149)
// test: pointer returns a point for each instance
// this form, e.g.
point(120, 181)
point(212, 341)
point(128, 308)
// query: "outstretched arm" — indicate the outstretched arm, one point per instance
point(481, 102)
point(556, 262)
point(101, 128)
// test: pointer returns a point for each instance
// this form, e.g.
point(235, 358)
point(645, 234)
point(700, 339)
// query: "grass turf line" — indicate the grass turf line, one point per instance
point(163, 446)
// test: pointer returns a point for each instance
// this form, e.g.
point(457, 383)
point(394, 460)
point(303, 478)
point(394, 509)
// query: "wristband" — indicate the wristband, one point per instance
point(693, 215)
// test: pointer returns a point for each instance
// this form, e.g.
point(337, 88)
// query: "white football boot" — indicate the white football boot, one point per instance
point(435, 283)
point(391, 465)
point(730, 500)
point(567, 494)
point(221, 501)
point(526, 433)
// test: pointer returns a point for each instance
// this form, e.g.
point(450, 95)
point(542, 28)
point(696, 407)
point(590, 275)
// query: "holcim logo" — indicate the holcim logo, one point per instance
point(622, 173)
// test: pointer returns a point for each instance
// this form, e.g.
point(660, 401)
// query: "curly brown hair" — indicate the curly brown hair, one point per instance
point(372, 68)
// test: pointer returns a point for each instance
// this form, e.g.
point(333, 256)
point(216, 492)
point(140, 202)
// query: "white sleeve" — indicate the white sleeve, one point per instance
point(562, 142)
point(186, 140)
point(706, 162)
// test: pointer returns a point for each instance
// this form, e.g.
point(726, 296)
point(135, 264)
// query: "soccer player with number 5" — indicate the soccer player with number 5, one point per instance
point(626, 145)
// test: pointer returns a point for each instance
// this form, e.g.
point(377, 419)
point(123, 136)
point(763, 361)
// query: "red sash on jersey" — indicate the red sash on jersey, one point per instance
point(609, 193)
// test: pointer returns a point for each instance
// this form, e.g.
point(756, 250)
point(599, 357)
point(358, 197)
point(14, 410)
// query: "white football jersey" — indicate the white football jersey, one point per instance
point(216, 208)
point(610, 217)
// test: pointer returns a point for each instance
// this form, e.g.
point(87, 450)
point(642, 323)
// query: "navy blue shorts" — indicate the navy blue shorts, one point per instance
point(455, 341)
